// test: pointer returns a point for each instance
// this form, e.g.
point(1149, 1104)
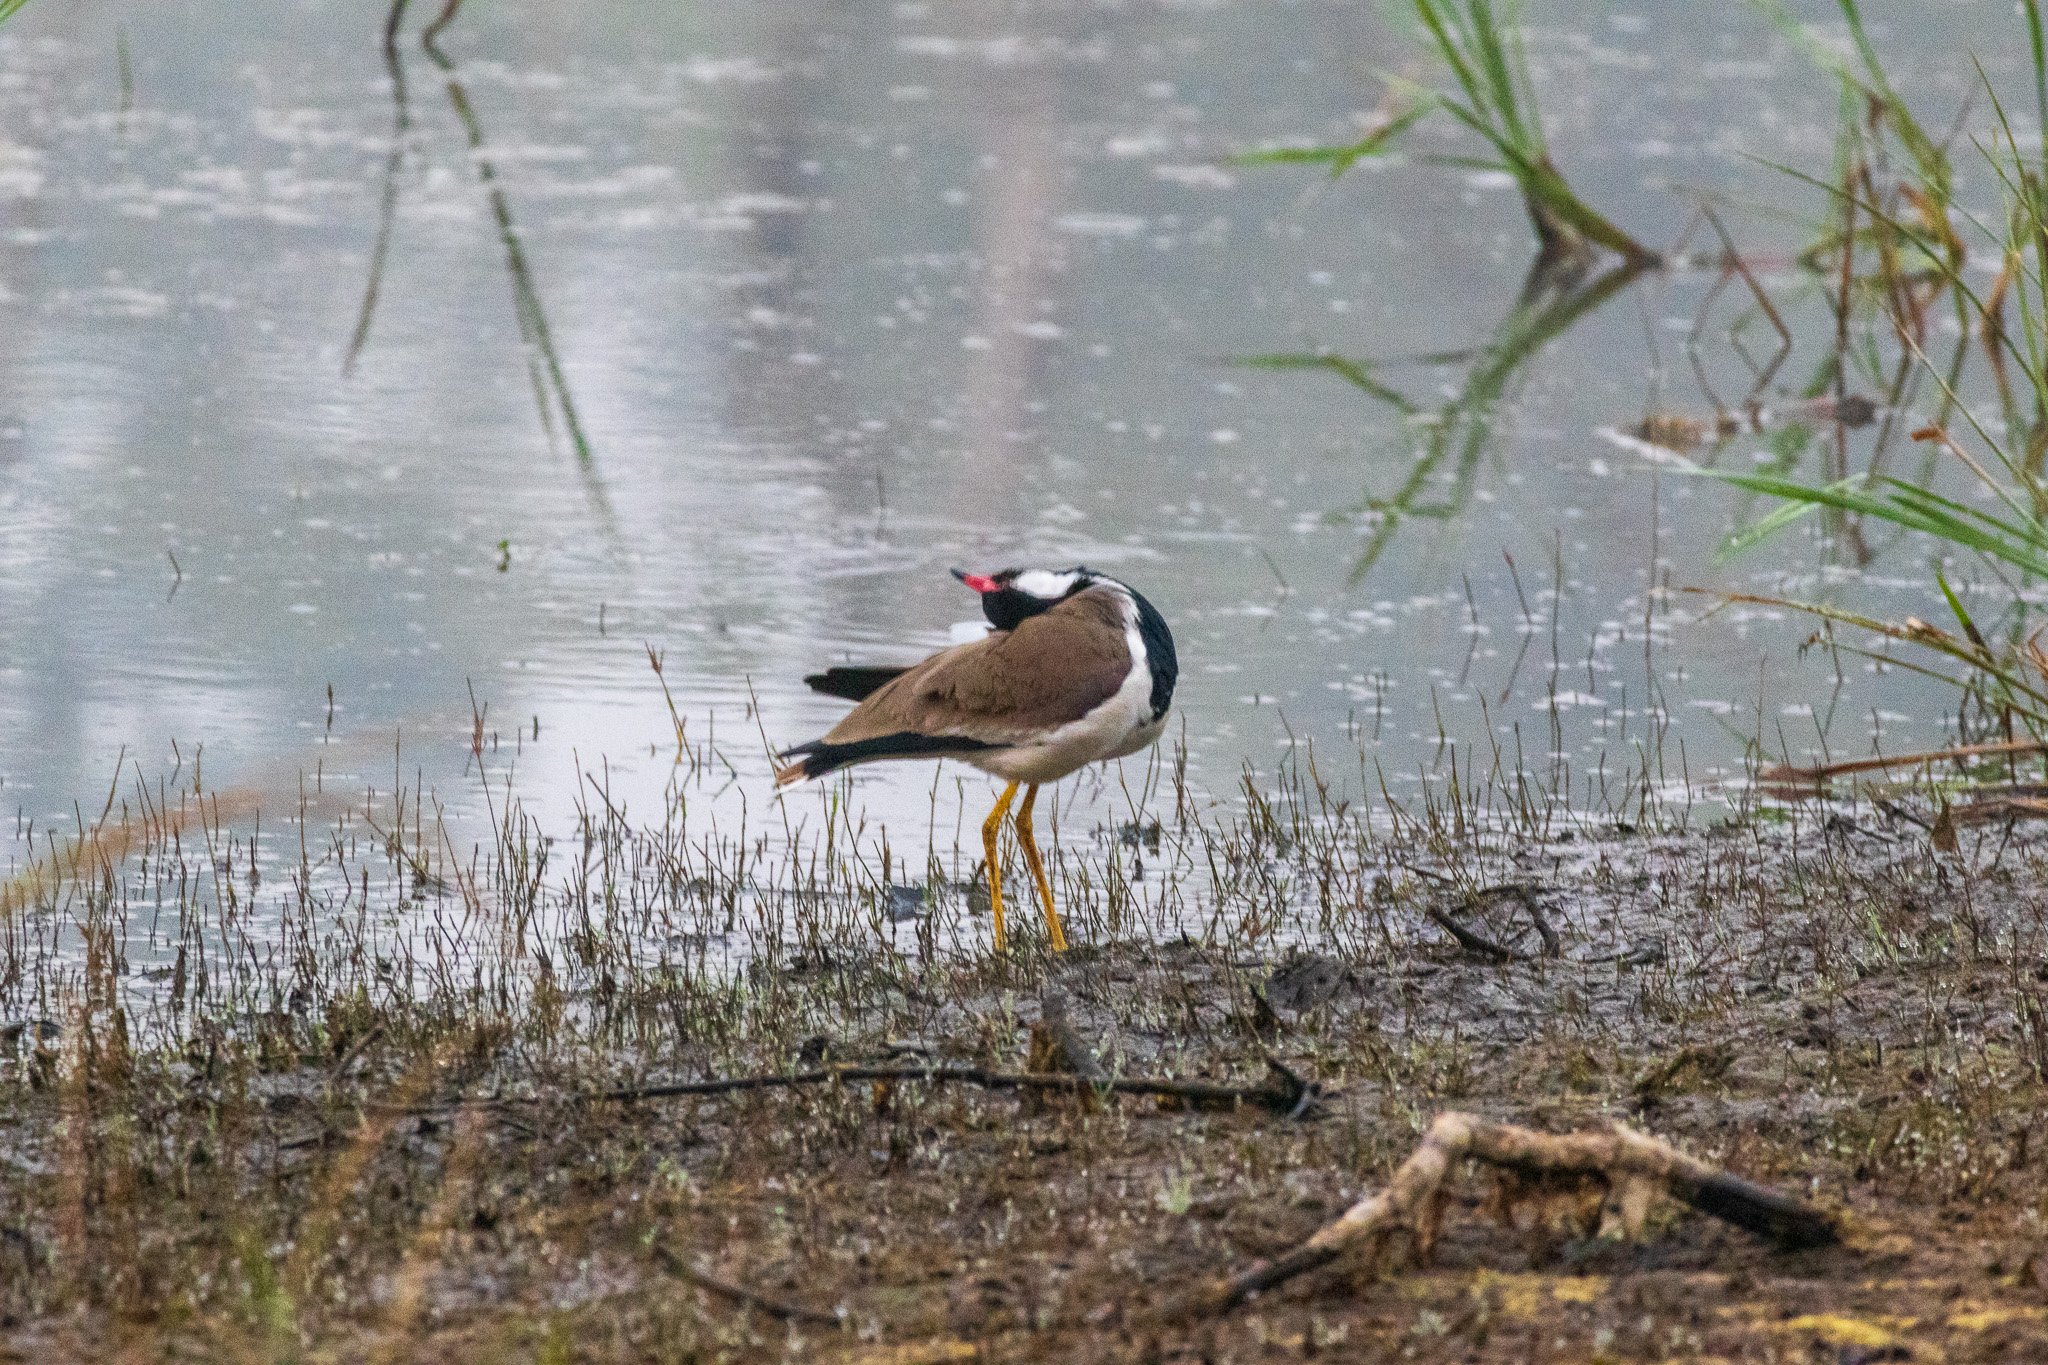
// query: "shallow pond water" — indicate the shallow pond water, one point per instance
point(841, 297)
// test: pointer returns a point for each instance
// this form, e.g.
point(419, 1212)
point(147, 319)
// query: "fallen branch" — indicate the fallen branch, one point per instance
point(1283, 1092)
point(1632, 1165)
point(1998, 807)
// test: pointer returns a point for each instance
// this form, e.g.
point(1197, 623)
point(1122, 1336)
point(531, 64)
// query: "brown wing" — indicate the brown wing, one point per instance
point(1008, 687)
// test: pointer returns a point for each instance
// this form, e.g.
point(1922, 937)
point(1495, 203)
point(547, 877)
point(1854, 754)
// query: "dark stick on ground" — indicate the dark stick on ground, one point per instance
point(1283, 1092)
point(1477, 944)
point(1525, 895)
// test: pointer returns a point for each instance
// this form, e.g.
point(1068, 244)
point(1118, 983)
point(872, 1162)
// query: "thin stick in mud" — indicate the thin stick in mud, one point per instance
point(1283, 1092)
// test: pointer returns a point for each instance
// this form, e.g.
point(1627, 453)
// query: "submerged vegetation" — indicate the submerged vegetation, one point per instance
point(1919, 258)
point(552, 397)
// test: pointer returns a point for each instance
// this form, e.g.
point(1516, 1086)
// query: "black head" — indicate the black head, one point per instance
point(1014, 595)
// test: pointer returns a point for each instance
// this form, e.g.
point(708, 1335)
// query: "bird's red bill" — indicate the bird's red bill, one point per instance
point(977, 581)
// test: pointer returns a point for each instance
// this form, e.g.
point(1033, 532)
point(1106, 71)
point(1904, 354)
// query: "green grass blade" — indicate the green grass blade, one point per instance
point(2039, 51)
point(1961, 613)
point(1769, 525)
point(1927, 154)
point(1911, 508)
point(1340, 158)
point(1498, 67)
point(1434, 19)
point(2029, 531)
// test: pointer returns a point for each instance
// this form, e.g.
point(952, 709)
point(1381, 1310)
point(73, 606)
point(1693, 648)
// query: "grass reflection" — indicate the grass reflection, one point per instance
point(387, 203)
point(553, 398)
point(1557, 294)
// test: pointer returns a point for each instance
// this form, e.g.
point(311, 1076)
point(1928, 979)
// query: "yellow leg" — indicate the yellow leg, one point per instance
point(1052, 916)
point(991, 828)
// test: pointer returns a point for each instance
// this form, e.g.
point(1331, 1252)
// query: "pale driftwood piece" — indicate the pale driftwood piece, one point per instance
point(1633, 1164)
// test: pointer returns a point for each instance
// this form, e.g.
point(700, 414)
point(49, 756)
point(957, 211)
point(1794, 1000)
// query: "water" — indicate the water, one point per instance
point(844, 296)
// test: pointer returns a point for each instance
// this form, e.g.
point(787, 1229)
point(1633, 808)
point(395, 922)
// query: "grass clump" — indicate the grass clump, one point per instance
point(1492, 96)
point(1482, 46)
point(1919, 263)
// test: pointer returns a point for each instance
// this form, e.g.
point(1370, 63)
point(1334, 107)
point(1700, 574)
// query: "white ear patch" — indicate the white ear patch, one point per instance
point(1044, 584)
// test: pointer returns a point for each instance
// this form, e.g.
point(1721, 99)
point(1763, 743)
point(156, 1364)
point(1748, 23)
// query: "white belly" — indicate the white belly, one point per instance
point(1122, 725)
point(1067, 752)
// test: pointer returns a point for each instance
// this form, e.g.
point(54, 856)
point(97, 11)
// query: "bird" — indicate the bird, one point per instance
point(1077, 668)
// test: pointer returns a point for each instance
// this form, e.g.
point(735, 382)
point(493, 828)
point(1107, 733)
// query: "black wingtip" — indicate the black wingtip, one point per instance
point(818, 758)
point(854, 682)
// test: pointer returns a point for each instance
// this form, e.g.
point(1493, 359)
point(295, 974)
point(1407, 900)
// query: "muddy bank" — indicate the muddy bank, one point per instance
point(1823, 1003)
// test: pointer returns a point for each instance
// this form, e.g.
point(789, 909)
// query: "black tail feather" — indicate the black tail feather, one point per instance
point(854, 682)
point(818, 758)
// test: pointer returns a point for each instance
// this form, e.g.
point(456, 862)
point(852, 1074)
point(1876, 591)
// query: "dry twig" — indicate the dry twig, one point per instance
point(1525, 895)
point(1478, 944)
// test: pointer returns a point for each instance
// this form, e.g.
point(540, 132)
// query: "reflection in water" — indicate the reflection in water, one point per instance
point(544, 366)
point(1011, 238)
point(1559, 291)
point(387, 200)
point(545, 374)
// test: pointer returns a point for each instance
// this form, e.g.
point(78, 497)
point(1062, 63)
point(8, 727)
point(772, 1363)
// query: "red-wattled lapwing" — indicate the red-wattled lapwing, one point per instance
point(1078, 669)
